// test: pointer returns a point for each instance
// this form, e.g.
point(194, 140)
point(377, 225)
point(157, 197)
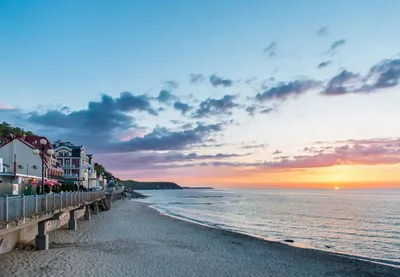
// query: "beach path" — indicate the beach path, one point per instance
point(134, 240)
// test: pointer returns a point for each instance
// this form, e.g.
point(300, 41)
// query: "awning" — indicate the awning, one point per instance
point(70, 182)
point(50, 183)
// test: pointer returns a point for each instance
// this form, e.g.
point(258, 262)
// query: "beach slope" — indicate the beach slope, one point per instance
point(134, 240)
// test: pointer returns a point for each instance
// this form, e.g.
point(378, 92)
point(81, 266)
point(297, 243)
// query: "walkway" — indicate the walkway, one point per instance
point(20, 207)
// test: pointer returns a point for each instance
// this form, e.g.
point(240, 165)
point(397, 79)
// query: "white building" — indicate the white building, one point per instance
point(18, 161)
point(21, 159)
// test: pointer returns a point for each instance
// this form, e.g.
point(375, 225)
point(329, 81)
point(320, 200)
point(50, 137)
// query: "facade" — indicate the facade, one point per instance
point(53, 169)
point(18, 161)
point(92, 174)
point(78, 166)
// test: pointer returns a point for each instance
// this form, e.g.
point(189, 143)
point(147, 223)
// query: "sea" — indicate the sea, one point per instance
point(364, 224)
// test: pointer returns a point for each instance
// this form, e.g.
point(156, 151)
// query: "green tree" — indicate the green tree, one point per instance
point(6, 129)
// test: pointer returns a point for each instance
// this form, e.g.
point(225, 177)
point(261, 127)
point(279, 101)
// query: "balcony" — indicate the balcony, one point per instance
point(6, 172)
point(69, 166)
point(70, 176)
point(57, 177)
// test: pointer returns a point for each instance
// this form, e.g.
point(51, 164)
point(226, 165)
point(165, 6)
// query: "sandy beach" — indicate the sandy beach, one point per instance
point(134, 240)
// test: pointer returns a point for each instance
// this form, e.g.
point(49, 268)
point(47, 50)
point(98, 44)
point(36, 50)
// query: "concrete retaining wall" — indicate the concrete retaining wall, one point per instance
point(28, 233)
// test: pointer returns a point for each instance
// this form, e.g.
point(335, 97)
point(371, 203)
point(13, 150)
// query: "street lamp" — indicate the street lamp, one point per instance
point(41, 152)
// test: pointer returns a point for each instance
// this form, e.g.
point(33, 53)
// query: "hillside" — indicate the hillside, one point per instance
point(149, 185)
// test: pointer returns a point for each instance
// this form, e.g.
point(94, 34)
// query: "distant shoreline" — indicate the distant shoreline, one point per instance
point(197, 188)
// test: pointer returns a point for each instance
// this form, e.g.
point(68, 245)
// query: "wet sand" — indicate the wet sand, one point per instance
point(134, 240)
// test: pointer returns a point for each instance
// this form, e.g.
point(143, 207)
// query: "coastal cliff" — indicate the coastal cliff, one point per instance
point(135, 185)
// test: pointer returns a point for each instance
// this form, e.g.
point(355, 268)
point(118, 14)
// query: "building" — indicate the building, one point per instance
point(53, 169)
point(92, 174)
point(17, 160)
point(78, 166)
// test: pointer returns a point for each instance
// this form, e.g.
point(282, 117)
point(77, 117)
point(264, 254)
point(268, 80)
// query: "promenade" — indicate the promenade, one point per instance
point(27, 218)
point(134, 240)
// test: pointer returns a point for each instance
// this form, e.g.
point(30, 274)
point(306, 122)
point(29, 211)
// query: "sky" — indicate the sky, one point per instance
point(229, 94)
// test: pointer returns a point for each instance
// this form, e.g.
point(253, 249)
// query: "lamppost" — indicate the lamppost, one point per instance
point(41, 152)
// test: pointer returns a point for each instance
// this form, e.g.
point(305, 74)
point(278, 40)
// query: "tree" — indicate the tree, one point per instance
point(6, 129)
point(101, 169)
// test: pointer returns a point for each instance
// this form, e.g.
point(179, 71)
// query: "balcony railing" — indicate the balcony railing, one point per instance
point(57, 177)
point(6, 170)
point(70, 166)
point(14, 208)
point(70, 176)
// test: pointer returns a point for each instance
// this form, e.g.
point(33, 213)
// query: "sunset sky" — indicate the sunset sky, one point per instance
point(243, 94)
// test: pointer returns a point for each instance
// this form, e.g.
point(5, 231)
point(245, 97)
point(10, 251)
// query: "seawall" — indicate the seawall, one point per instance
point(9, 238)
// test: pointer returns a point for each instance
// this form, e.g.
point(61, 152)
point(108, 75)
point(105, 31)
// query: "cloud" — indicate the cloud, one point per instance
point(385, 74)
point(335, 45)
point(196, 78)
point(254, 146)
point(266, 111)
point(4, 107)
point(363, 152)
point(353, 152)
point(127, 102)
point(324, 64)
point(251, 110)
point(12, 115)
point(182, 107)
point(323, 31)
point(208, 145)
point(100, 116)
point(161, 138)
point(106, 118)
point(341, 83)
point(212, 107)
point(282, 91)
point(187, 126)
point(165, 97)
point(154, 160)
point(177, 122)
point(250, 81)
point(277, 152)
point(271, 50)
point(219, 81)
point(171, 84)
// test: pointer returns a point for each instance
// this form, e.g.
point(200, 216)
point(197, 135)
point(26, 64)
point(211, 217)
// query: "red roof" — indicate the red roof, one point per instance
point(35, 141)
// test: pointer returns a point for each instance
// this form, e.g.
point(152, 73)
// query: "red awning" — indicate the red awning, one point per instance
point(48, 183)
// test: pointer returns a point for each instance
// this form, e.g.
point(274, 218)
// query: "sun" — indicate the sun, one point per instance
point(336, 188)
